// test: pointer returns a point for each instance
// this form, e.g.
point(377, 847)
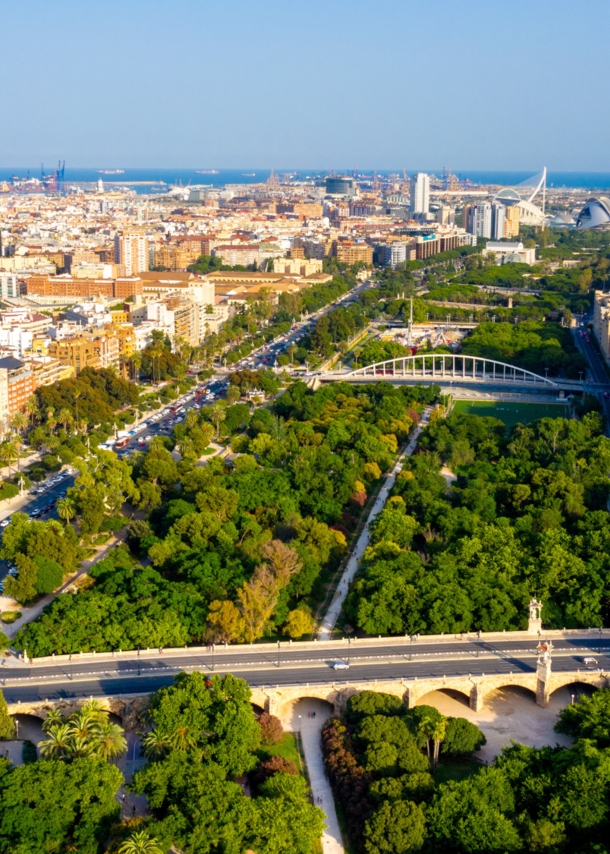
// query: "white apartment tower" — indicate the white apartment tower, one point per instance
point(131, 251)
point(420, 194)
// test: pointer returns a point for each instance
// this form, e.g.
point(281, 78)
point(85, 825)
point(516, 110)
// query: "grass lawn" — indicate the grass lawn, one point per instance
point(286, 748)
point(455, 769)
point(511, 413)
point(101, 540)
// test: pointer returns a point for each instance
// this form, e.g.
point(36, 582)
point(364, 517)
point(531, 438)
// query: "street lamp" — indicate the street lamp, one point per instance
point(278, 653)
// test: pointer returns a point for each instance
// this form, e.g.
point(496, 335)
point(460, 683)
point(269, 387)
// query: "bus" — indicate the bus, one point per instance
point(122, 443)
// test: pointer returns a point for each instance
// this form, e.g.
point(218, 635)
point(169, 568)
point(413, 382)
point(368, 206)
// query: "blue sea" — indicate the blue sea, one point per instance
point(157, 180)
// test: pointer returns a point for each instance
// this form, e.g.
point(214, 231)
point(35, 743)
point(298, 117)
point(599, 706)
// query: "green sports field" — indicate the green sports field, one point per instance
point(511, 413)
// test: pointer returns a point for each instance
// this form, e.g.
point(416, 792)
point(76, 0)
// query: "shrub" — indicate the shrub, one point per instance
point(274, 765)
point(271, 728)
point(29, 753)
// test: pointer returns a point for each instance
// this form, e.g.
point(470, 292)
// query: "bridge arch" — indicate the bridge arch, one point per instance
point(451, 366)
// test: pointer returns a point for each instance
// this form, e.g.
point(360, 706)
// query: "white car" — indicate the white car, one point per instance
point(341, 665)
point(5, 522)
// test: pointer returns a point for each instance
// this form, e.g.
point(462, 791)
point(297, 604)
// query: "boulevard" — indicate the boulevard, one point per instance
point(290, 665)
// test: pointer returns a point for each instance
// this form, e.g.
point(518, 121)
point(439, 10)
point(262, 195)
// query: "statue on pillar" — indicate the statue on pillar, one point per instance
point(543, 673)
point(534, 625)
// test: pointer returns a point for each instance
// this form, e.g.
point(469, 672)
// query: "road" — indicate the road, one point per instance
point(391, 658)
point(597, 370)
point(42, 498)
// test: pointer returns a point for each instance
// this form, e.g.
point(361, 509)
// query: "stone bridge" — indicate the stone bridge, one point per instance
point(542, 684)
point(474, 688)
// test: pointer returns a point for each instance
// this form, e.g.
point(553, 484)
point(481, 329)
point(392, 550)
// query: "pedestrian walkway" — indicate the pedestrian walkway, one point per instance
point(310, 729)
point(351, 568)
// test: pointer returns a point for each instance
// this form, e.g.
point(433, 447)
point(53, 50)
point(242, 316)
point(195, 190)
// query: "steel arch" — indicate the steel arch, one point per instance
point(452, 366)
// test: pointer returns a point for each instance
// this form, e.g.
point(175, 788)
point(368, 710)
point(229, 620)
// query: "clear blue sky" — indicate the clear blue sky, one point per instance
point(471, 84)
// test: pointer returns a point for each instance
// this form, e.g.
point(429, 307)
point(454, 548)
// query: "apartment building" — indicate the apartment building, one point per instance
point(9, 286)
point(244, 254)
point(131, 251)
point(176, 257)
point(68, 286)
point(297, 266)
point(20, 384)
point(87, 351)
point(349, 252)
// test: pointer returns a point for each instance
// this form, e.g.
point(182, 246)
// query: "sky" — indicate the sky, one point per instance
point(386, 84)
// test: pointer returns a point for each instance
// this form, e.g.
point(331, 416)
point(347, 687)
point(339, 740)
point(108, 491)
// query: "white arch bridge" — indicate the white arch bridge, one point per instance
point(439, 367)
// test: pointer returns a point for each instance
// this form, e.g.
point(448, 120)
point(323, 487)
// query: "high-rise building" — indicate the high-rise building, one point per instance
point(420, 194)
point(478, 219)
point(511, 222)
point(131, 251)
point(498, 221)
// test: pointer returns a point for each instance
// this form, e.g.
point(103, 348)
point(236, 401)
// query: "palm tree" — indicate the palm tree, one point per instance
point(19, 422)
point(58, 744)
point(85, 724)
point(53, 718)
point(109, 741)
point(187, 449)
point(66, 509)
point(65, 417)
point(182, 739)
point(438, 735)
point(32, 408)
point(140, 843)
point(190, 419)
point(156, 744)
point(218, 415)
point(8, 453)
point(51, 420)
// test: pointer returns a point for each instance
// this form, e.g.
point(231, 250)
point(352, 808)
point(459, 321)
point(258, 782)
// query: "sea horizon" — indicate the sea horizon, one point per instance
point(145, 179)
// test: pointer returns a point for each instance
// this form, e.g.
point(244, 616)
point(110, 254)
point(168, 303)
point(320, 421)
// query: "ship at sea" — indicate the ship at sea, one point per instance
point(248, 174)
point(206, 171)
point(110, 171)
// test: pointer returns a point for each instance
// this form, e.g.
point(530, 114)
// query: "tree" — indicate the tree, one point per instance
point(23, 586)
point(50, 806)
point(140, 843)
point(217, 414)
point(66, 509)
point(233, 395)
point(7, 725)
point(87, 732)
point(225, 623)
point(588, 718)
point(298, 623)
point(395, 828)
point(462, 736)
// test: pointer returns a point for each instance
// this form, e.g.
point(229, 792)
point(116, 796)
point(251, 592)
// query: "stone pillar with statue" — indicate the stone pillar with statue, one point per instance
point(534, 626)
point(543, 673)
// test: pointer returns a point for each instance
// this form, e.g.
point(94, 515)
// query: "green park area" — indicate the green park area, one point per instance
point(510, 413)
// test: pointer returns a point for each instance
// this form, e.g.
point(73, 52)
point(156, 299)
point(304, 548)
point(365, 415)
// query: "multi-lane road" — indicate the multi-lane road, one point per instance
point(301, 664)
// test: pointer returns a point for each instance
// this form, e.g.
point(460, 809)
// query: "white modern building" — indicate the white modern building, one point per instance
point(510, 253)
point(420, 194)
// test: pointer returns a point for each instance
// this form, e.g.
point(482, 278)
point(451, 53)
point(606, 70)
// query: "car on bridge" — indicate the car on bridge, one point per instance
point(341, 665)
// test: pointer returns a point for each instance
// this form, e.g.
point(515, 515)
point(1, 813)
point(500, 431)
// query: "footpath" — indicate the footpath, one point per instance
point(34, 611)
point(351, 568)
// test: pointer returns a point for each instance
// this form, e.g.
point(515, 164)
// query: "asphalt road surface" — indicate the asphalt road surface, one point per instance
point(312, 664)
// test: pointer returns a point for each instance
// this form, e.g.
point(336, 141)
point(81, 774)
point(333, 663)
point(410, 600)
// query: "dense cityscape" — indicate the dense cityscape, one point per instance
point(304, 471)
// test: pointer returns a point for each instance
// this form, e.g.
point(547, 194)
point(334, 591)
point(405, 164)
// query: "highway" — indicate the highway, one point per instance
point(597, 370)
point(313, 664)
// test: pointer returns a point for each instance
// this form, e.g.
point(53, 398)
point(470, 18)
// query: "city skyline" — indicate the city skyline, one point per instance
point(355, 83)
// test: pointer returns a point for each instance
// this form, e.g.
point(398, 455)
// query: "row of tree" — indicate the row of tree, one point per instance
point(549, 799)
point(527, 515)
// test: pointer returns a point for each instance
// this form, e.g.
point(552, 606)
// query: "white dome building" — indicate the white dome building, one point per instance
point(595, 214)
